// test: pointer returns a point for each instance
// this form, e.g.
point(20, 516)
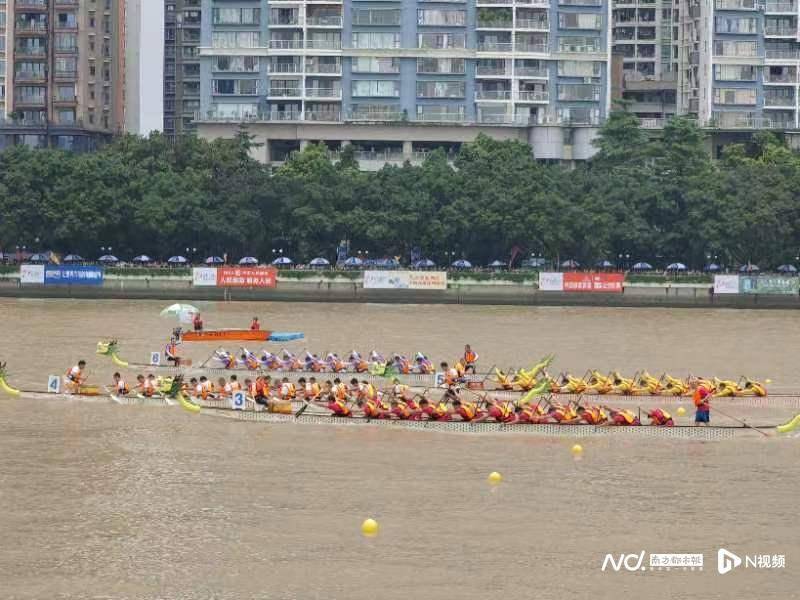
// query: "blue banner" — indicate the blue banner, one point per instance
point(77, 275)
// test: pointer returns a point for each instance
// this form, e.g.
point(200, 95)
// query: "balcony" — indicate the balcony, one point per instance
point(30, 28)
point(29, 77)
point(31, 5)
point(29, 101)
point(779, 101)
point(324, 44)
point(493, 95)
point(780, 30)
point(491, 71)
point(495, 46)
point(285, 44)
point(783, 54)
point(533, 96)
point(521, 47)
point(494, 24)
point(32, 52)
point(322, 115)
point(534, 72)
point(375, 115)
point(736, 5)
point(323, 69)
point(494, 2)
point(534, 24)
point(70, 50)
point(295, 21)
point(324, 93)
point(747, 120)
point(780, 7)
point(285, 93)
point(285, 68)
point(324, 21)
point(789, 78)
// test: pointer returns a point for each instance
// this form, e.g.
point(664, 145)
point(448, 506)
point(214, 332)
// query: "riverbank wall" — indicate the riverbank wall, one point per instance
point(677, 295)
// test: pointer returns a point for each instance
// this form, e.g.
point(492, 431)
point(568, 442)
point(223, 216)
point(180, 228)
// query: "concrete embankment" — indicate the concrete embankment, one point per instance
point(458, 292)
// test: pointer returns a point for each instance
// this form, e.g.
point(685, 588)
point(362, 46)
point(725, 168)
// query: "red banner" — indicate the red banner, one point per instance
point(607, 283)
point(261, 277)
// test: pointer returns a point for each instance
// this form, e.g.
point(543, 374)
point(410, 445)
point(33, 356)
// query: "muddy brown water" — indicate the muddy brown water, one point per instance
point(103, 501)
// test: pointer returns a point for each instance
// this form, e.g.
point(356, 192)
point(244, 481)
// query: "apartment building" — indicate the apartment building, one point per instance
point(144, 66)
point(182, 19)
point(61, 72)
point(399, 77)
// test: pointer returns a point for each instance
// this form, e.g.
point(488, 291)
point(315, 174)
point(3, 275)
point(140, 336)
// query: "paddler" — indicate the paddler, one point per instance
point(150, 387)
point(75, 378)
point(310, 389)
point(250, 360)
point(622, 417)
point(171, 352)
point(433, 412)
point(400, 410)
point(197, 322)
point(702, 413)
point(591, 415)
point(227, 359)
point(451, 376)
point(371, 409)
point(288, 390)
point(340, 390)
point(660, 417)
point(223, 388)
point(337, 406)
point(255, 325)
point(469, 359)
point(423, 364)
point(357, 363)
point(468, 411)
point(234, 384)
point(120, 387)
point(501, 412)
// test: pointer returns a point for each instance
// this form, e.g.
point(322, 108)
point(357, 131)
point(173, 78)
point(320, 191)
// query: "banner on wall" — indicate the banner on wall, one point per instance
point(204, 276)
point(77, 275)
point(31, 273)
point(769, 284)
point(726, 284)
point(604, 283)
point(405, 280)
point(260, 277)
point(551, 282)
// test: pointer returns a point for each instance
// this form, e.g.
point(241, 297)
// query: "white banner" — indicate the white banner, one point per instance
point(726, 284)
point(31, 273)
point(204, 276)
point(405, 280)
point(551, 282)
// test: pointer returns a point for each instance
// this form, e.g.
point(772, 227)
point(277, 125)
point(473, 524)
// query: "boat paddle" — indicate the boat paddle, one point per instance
point(744, 423)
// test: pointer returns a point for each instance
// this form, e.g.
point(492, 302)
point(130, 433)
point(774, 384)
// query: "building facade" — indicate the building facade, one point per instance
point(62, 69)
point(182, 19)
point(144, 66)
point(402, 76)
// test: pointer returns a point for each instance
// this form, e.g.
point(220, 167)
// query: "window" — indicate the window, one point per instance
point(440, 89)
point(452, 66)
point(578, 44)
point(451, 18)
point(67, 20)
point(65, 92)
point(726, 48)
point(735, 72)
point(734, 96)
point(578, 92)
point(234, 111)
point(236, 16)
point(65, 116)
point(376, 16)
point(369, 64)
point(377, 40)
point(235, 39)
point(375, 111)
point(439, 41)
point(574, 68)
point(440, 113)
point(579, 21)
point(235, 87)
point(235, 64)
point(66, 42)
point(736, 24)
point(376, 88)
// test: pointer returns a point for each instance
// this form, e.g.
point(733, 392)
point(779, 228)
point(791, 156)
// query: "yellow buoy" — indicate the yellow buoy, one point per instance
point(577, 450)
point(369, 528)
point(681, 411)
point(495, 478)
point(768, 381)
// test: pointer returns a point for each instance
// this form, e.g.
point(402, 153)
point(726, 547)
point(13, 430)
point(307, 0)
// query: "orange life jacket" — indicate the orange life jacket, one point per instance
point(470, 357)
point(339, 408)
point(467, 411)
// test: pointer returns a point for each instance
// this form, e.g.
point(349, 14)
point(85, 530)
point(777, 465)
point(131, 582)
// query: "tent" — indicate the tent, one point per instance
point(353, 261)
point(39, 258)
point(604, 264)
point(676, 267)
point(497, 264)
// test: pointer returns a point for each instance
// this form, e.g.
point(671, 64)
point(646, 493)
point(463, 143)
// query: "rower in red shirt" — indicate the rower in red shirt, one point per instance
point(433, 412)
point(338, 408)
point(501, 412)
point(371, 409)
point(400, 410)
point(659, 416)
point(255, 325)
point(622, 417)
point(591, 415)
point(467, 410)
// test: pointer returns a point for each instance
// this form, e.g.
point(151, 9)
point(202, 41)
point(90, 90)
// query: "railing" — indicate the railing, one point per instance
point(323, 93)
point(324, 44)
point(285, 92)
point(533, 24)
point(779, 101)
point(580, 2)
point(780, 78)
point(534, 2)
point(494, 24)
point(439, 117)
point(533, 96)
point(782, 30)
point(285, 44)
point(357, 115)
point(322, 115)
point(293, 22)
point(30, 51)
point(738, 120)
point(327, 69)
point(495, 46)
point(531, 48)
point(492, 94)
point(284, 68)
point(376, 19)
point(31, 4)
point(783, 54)
point(324, 21)
point(30, 27)
point(492, 71)
point(22, 76)
point(736, 5)
point(494, 1)
point(652, 123)
point(781, 7)
point(531, 72)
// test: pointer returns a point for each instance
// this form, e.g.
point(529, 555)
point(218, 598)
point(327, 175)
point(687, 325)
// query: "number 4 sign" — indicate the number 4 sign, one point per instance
point(53, 384)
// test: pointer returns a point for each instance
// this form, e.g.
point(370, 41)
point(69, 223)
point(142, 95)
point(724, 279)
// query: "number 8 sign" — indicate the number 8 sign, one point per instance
point(237, 400)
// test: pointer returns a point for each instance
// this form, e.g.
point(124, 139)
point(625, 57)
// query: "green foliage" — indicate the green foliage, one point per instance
point(654, 196)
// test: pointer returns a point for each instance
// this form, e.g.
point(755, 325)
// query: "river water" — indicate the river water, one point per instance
point(103, 501)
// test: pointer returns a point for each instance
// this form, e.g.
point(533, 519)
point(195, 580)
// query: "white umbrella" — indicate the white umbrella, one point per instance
point(183, 312)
